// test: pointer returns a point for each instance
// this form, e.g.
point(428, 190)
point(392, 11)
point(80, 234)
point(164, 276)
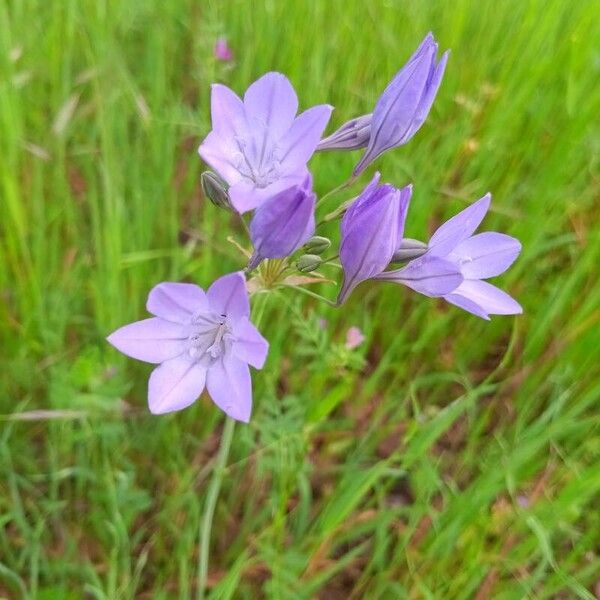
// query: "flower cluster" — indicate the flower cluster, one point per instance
point(259, 148)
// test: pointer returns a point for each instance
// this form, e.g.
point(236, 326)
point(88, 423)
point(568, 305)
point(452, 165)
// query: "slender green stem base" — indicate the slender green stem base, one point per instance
point(314, 295)
point(335, 190)
point(211, 502)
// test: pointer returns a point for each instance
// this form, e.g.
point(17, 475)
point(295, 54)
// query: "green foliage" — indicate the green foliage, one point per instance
point(444, 458)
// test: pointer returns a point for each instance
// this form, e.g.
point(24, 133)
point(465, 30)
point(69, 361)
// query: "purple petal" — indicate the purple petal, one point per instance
point(272, 102)
point(283, 223)
point(404, 196)
point(353, 209)
point(151, 340)
point(486, 254)
point(428, 275)
point(174, 385)
point(219, 153)
point(431, 90)
point(467, 305)
point(176, 302)
point(228, 296)
point(426, 42)
point(250, 346)
point(367, 247)
point(459, 227)
point(245, 196)
point(300, 142)
point(229, 385)
point(370, 234)
point(227, 112)
point(220, 149)
point(488, 297)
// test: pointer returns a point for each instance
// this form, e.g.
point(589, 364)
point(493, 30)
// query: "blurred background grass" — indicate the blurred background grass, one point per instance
point(445, 458)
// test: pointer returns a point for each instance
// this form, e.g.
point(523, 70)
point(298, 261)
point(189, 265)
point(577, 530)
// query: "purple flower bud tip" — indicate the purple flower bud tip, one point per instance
point(283, 223)
point(354, 338)
point(457, 262)
point(222, 51)
point(405, 103)
point(371, 232)
point(199, 339)
point(258, 145)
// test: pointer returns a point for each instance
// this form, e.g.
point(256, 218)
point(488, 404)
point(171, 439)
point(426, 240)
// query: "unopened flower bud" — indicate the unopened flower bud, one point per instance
point(409, 250)
point(282, 224)
point(215, 189)
point(317, 244)
point(308, 262)
point(371, 231)
point(405, 103)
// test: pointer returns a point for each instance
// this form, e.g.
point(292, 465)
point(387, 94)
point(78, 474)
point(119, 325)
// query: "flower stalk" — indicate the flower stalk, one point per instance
point(204, 533)
point(206, 522)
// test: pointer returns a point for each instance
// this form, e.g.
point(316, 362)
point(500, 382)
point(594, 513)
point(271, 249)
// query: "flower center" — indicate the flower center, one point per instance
point(209, 337)
point(258, 161)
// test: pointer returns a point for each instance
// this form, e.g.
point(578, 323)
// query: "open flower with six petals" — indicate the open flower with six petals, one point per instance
point(476, 257)
point(259, 146)
point(199, 339)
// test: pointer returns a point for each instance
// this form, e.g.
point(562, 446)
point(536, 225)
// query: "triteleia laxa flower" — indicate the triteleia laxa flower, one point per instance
point(371, 231)
point(198, 339)
point(405, 103)
point(222, 51)
point(476, 257)
point(354, 338)
point(283, 223)
point(259, 146)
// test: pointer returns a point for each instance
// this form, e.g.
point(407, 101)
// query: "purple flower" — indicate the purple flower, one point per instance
point(352, 135)
point(222, 51)
point(476, 257)
point(354, 338)
point(371, 231)
point(405, 103)
point(283, 223)
point(197, 339)
point(259, 146)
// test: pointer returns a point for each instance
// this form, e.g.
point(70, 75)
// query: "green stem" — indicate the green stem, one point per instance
point(335, 190)
point(312, 294)
point(215, 484)
point(330, 259)
point(329, 262)
point(340, 210)
point(211, 503)
point(244, 225)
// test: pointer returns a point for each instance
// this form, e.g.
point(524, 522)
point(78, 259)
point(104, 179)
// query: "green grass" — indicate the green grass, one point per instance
point(445, 458)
